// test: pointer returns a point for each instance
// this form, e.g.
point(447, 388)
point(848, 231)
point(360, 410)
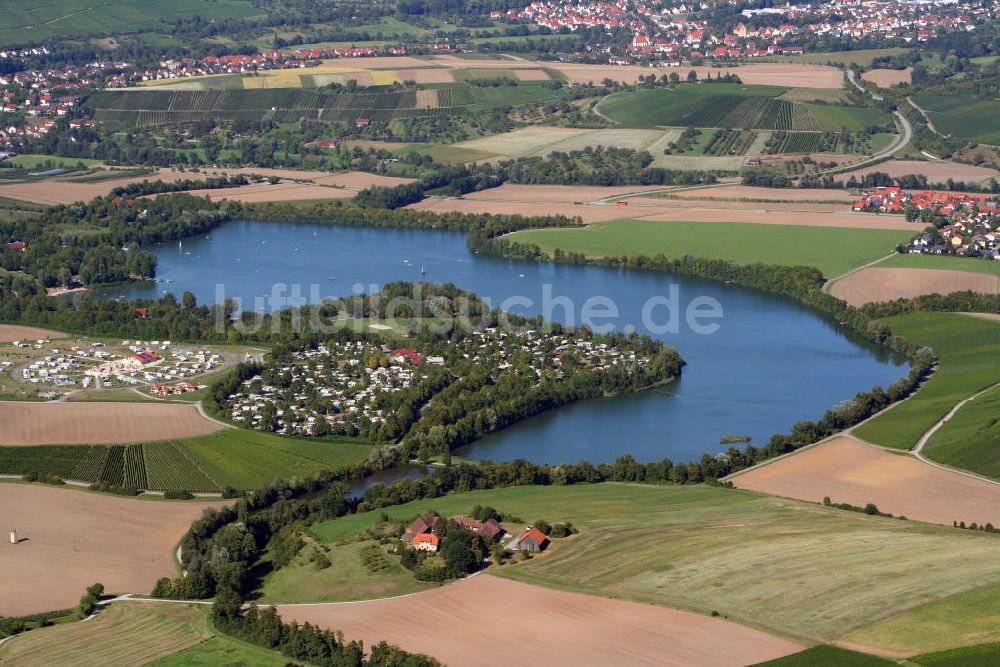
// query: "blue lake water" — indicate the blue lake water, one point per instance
point(770, 364)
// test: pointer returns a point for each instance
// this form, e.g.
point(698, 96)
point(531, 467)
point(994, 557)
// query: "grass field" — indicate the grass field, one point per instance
point(943, 262)
point(23, 22)
point(346, 579)
point(781, 564)
point(36, 161)
point(971, 439)
point(968, 362)
point(963, 619)
point(245, 459)
point(834, 251)
point(863, 57)
point(242, 459)
point(540, 141)
point(446, 153)
point(122, 634)
point(825, 655)
point(163, 635)
point(965, 118)
point(981, 655)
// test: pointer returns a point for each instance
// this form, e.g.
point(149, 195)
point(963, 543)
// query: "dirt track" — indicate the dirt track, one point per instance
point(491, 621)
point(72, 539)
point(12, 332)
point(874, 284)
point(849, 471)
point(98, 423)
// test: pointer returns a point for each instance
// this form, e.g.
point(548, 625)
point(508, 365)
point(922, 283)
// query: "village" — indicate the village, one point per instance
point(668, 36)
point(966, 223)
point(348, 388)
point(158, 367)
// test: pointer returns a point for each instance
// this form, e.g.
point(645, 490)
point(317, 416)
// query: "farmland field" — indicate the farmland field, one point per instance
point(965, 118)
point(24, 22)
point(713, 549)
point(540, 141)
point(234, 457)
point(834, 251)
point(150, 107)
point(730, 105)
point(964, 369)
point(560, 627)
point(74, 538)
point(246, 459)
point(879, 283)
point(849, 471)
point(95, 423)
point(122, 634)
point(946, 262)
point(968, 617)
point(971, 439)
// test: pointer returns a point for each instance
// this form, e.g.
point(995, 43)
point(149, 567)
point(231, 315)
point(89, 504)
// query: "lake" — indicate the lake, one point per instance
point(770, 364)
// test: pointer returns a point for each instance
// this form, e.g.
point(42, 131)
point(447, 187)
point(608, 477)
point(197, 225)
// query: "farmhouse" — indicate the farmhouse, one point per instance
point(426, 542)
point(532, 540)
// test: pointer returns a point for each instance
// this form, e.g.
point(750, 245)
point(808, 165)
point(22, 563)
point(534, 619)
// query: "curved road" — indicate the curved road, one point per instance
point(903, 142)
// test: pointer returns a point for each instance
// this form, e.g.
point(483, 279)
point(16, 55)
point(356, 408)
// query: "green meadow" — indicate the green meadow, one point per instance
point(832, 250)
point(793, 567)
point(23, 22)
point(245, 459)
point(971, 439)
point(968, 362)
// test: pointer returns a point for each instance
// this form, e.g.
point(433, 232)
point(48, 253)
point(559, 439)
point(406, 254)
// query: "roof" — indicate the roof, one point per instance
point(426, 538)
point(536, 536)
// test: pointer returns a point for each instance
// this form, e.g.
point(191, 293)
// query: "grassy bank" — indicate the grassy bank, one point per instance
point(966, 349)
point(832, 250)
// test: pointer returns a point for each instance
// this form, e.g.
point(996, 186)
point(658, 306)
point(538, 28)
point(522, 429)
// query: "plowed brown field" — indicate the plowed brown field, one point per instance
point(850, 471)
point(98, 423)
point(874, 284)
point(71, 539)
point(487, 620)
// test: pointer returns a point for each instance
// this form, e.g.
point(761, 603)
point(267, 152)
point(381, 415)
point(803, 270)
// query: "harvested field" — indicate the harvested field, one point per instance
point(70, 539)
point(851, 471)
point(886, 78)
point(98, 423)
point(585, 213)
point(554, 193)
point(380, 62)
point(427, 75)
point(359, 180)
point(874, 284)
point(56, 191)
point(757, 193)
point(12, 332)
point(531, 75)
point(936, 171)
point(279, 192)
point(563, 200)
point(559, 628)
point(426, 99)
point(774, 74)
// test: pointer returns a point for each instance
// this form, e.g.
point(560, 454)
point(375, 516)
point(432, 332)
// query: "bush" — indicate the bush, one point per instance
point(178, 495)
point(543, 525)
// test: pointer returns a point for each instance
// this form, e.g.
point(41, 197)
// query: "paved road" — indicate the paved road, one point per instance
point(903, 142)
